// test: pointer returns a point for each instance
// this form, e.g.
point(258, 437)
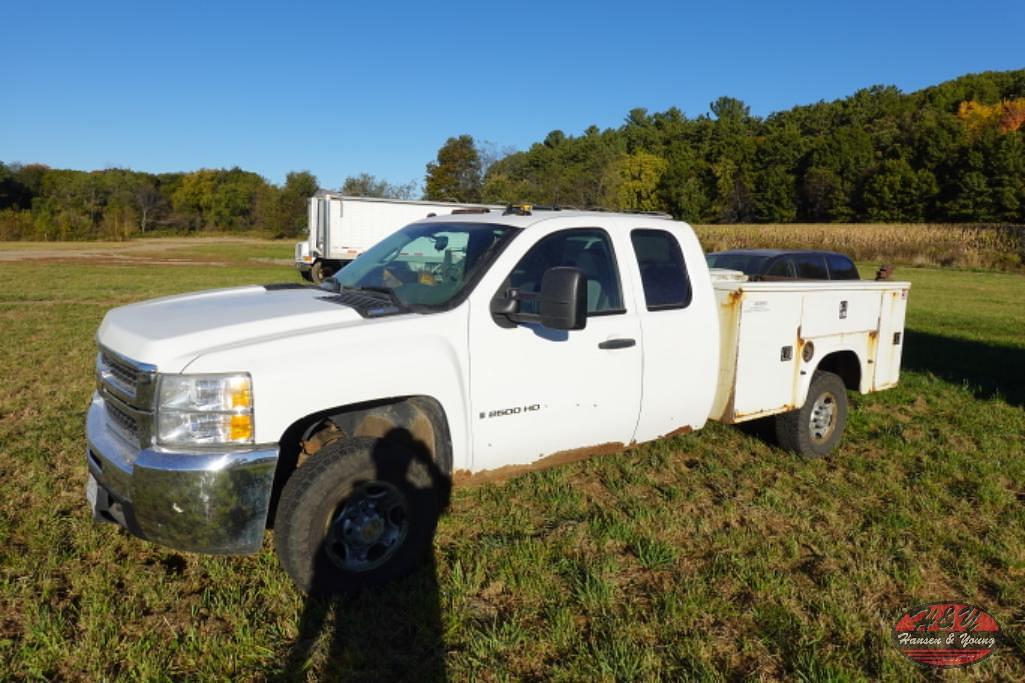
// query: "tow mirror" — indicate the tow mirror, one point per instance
point(564, 298)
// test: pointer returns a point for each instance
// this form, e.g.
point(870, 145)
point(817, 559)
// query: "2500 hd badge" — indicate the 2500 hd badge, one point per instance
point(502, 412)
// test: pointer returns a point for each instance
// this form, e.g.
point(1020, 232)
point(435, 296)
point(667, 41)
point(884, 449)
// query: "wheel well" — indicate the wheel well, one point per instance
point(846, 365)
point(421, 416)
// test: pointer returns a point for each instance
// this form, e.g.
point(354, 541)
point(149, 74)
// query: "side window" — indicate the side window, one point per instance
point(663, 272)
point(588, 249)
point(811, 267)
point(841, 268)
point(782, 267)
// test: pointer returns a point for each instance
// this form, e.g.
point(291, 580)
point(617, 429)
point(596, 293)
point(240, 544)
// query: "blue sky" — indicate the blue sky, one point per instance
point(342, 88)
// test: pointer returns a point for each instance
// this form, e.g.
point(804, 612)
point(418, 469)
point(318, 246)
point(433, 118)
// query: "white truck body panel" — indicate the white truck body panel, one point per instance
point(760, 320)
point(171, 331)
point(412, 355)
point(681, 351)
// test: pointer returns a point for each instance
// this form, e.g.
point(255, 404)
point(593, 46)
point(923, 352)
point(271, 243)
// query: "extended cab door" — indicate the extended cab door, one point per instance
point(680, 327)
point(539, 392)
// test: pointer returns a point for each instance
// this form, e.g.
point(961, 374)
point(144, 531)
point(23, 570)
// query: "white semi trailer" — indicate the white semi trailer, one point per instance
point(341, 227)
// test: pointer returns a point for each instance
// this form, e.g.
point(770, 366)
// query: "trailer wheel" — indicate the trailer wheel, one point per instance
point(361, 512)
point(317, 273)
point(816, 428)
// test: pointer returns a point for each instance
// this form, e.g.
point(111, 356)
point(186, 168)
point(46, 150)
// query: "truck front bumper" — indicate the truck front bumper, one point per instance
point(205, 502)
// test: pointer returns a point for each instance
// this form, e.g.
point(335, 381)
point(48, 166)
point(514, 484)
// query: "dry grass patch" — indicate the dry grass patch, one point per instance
point(921, 244)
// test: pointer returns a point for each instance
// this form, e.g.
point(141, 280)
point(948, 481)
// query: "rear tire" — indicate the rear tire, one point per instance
point(361, 512)
point(815, 429)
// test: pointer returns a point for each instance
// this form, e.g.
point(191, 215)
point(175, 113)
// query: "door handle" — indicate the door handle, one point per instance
point(617, 344)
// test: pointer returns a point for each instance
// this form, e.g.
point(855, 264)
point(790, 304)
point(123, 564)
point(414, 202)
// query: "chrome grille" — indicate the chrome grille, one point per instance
point(121, 373)
point(128, 380)
point(127, 388)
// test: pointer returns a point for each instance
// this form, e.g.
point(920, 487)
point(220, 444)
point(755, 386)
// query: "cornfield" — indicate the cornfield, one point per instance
point(999, 247)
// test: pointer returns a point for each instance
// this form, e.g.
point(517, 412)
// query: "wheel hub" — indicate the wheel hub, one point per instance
point(368, 527)
point(822, 420)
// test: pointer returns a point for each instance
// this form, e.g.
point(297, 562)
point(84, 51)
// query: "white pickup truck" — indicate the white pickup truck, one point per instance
point(459, 347)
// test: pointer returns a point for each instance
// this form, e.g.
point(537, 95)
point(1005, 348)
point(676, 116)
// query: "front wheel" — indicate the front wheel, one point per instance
point(816, 428)
point(359, 513)
point(317, 274)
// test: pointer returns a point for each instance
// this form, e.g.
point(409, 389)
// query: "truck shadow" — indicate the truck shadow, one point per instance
point(389, 633)
point(988, 370)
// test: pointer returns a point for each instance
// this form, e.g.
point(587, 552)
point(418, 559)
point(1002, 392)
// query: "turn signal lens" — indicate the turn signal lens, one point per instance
point(241, 428)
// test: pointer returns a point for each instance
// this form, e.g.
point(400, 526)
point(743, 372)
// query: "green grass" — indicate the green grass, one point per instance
point(710, 556)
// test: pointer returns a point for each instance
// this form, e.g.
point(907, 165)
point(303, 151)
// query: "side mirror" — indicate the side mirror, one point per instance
point(564, 298)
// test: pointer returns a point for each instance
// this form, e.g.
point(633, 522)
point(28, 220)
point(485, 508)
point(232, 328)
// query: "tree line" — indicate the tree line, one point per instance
point(954, 152)
point(38, 202)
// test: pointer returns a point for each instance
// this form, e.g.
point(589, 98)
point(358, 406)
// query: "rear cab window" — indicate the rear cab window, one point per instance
point(663, 270)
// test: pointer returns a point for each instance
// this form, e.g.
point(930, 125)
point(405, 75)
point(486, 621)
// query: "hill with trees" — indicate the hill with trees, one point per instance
point(954, 152)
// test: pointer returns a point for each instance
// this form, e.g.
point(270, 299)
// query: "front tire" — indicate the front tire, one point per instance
point(816, 428)
point(361, 512)
point(317, 274)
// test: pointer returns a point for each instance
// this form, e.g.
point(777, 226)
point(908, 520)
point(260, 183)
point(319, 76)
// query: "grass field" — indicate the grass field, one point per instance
point(710, 556)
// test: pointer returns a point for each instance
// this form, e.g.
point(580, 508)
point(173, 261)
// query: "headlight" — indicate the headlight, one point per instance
point(205, 410)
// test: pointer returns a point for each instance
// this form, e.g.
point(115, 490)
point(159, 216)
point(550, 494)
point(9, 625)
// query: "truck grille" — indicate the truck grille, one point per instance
point(128, 380)
point(121, 373)
point(127, 388)
point(122, 422)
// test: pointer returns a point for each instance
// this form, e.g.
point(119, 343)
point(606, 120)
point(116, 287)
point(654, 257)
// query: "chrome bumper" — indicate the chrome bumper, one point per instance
point(204, 502)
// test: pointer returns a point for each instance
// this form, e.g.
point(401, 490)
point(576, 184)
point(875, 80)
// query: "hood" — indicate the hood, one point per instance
point(170, 332)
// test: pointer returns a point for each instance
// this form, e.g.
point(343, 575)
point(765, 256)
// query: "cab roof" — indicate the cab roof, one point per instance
point(539, 215)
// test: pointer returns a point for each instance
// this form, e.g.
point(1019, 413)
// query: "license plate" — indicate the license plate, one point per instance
point(90, 491)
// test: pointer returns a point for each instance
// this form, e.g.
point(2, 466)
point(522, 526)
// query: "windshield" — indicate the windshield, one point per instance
point(749, 264)
point(424, 264)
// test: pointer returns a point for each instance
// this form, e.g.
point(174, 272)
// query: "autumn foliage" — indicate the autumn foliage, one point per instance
point(1006, 116)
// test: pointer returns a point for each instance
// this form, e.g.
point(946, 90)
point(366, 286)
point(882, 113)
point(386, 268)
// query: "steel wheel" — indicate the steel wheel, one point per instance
point(822, 420)
point(368, 527)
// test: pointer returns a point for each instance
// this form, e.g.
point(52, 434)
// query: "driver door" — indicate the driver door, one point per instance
point(538, 392)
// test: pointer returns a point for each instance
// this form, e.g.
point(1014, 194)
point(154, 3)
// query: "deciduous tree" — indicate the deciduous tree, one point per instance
point(455, 176)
